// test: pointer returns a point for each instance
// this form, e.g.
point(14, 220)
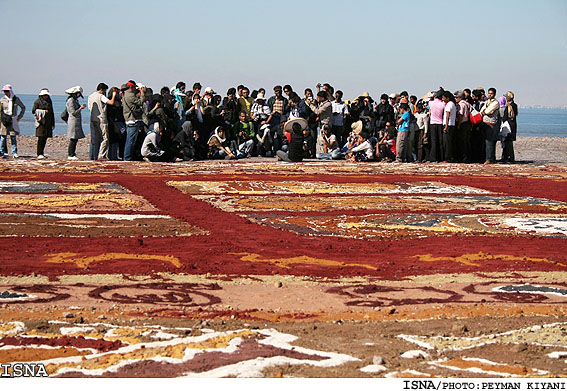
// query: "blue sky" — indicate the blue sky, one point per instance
point(375, 46)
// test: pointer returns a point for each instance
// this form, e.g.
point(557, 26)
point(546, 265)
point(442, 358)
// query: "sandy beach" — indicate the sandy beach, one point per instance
point(539, 150)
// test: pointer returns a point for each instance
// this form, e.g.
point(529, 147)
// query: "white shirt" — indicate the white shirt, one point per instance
point(331, 140)
point(340, 109)
point(97, 106)
point(450, 112)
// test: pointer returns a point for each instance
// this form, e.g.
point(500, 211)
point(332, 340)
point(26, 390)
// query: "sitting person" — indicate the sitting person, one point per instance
point(151, 148)
point(264, 140)
point(386, 147)
point(295, 152)
point(352, 138)
point(327, 146)
point(243, 136)
point(382, 132)
point(363, 150)
point(218, 147)
point(308, 144)
point(183, 145)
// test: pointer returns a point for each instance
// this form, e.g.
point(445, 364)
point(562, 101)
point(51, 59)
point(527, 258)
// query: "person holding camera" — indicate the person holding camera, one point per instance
point(323, 110)
point(74, 120)
point(97, 103)
point(132, 107)
point(9, 118)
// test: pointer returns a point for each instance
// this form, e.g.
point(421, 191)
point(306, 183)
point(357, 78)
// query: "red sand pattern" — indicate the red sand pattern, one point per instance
point(234, 247)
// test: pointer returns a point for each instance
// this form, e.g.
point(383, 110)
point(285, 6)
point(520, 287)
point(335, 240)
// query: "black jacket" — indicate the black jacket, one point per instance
point(384, 113)
point(231, 110)
point(295, 153)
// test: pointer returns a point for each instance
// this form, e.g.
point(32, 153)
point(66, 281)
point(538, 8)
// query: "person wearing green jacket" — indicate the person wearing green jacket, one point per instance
point(132, 106)
point(243, 136)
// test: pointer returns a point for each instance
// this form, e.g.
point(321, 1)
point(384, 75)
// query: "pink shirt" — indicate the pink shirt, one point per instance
point(436, 108)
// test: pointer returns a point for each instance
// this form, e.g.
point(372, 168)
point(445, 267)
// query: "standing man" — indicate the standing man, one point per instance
point(279, 107)
point(403, 133)
point(10, 117)
point(340, 112)
point(230, 110)
point(278, 104)
point(449, 126)
point(208, 96)
point(436, 109)
point(179, 105)
point(133, 111)
point(323, 110)
point(99, 124)
point(491, 122)
point(245, 102)
point(287, 90)
point(478, 144)
point(197, 88)
point(327, 88)
point(464, 126)
point(384, 113)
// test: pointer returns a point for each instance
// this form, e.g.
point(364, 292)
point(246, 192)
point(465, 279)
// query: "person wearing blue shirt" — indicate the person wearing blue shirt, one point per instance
point(403, 132)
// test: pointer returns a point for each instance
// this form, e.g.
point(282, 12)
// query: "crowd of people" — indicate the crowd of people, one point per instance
point(180, 124)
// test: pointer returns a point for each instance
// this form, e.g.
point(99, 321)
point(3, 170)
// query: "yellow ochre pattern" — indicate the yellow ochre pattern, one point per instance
point(303, 259)
point(473, 259)
point(84, 262)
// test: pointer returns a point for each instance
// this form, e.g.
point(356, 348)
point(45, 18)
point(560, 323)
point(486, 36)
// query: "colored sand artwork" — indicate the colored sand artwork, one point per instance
point(264, 269)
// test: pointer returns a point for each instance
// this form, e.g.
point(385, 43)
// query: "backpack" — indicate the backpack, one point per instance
point(7, 120)
point(65, 115)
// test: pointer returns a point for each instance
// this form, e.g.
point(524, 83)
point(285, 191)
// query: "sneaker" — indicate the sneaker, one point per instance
point(72, 158)
point(147, 160)
point(41, 157)
point(15, 156)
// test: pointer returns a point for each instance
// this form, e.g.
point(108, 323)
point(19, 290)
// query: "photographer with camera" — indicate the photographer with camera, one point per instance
point(133, 110)
point(323, 110)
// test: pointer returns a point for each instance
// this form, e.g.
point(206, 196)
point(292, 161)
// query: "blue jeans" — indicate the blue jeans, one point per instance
point(131, 136)
point(219, 155)
point(4, 144)
point(335, 154)
point(490, 151)
point(241, 151)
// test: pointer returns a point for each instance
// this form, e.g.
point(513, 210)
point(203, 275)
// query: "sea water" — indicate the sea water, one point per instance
point(532, 122)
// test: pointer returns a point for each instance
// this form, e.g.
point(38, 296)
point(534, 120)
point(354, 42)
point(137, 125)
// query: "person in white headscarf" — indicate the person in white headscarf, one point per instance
point(74, 121)
point(218, 148)
point(11, 112)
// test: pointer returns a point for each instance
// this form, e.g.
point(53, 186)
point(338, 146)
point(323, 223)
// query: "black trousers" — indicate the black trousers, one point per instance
point(41, 141)
point(463, 145)
point(449, 142)
point(436, 152)
point(72, 147)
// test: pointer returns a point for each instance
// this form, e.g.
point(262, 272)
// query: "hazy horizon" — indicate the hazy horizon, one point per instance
point(362, 46)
